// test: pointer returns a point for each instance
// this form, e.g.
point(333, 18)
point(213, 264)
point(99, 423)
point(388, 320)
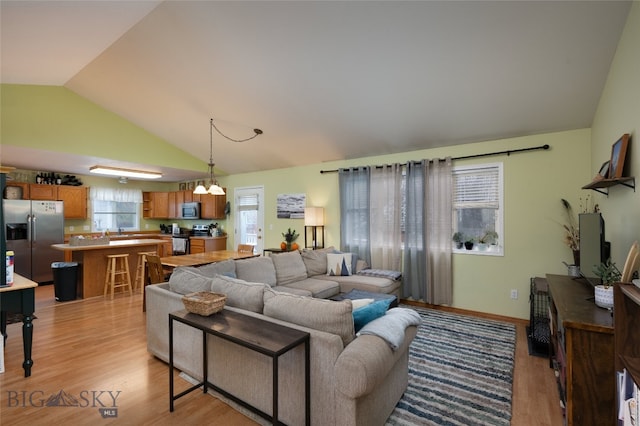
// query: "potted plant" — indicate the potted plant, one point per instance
point(458, 238)
point(609, 273)
point(468, 243)
point(489, 237)
point(289, 238)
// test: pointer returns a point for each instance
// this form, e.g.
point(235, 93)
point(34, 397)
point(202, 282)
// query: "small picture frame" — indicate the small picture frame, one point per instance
point(182, 186)
point(191, 186)
point(618, 154)
point(200, 182)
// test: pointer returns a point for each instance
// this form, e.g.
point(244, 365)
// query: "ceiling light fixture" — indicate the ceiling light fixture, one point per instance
point(214, 188)
point(129, 173)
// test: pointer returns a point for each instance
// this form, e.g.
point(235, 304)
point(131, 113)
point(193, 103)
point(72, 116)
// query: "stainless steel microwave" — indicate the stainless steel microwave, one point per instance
point(190, 210)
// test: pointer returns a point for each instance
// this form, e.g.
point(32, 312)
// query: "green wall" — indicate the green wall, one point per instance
point(56, 119)
point(534, 183)
point(619, 113)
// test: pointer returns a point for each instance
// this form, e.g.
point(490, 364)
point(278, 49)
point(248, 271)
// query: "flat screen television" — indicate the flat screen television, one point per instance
point(593, 247)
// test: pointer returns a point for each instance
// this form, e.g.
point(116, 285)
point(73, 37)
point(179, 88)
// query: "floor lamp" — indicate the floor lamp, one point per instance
point(314, 227)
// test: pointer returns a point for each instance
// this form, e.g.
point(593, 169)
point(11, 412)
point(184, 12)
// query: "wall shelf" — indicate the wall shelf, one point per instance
point(602, 185)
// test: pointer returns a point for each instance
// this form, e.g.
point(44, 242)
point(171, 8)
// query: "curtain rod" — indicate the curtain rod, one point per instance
point(487, 154)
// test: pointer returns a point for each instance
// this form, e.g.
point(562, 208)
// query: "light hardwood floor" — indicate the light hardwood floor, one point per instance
point(95, 350)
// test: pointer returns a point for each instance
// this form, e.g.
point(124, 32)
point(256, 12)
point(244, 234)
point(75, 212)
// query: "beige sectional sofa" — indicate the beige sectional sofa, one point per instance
point(355, 380)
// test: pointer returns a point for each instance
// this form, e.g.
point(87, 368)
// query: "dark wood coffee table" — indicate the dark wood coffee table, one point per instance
point(250, 332)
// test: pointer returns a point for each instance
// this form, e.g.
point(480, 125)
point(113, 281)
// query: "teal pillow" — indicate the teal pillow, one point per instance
point(366, 314)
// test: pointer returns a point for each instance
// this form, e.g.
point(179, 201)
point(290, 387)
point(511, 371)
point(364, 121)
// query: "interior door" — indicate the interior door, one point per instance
point(249, 217)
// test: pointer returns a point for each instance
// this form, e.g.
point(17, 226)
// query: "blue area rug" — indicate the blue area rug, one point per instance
point(460, 372)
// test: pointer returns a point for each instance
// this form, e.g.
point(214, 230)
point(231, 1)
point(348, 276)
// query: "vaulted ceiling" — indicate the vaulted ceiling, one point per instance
point(324, 80)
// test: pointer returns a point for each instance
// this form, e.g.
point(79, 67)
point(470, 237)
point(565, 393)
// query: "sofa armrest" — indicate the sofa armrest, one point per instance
point(366, 362)
point(160, 301)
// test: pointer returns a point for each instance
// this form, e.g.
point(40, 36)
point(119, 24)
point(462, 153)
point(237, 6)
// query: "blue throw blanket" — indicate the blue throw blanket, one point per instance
point(392, 325)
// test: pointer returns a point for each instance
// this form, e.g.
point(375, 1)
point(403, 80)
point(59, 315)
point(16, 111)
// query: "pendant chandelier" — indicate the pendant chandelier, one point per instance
point(214, 188)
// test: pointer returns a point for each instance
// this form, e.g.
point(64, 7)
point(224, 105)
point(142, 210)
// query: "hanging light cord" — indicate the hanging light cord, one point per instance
point(256, 133)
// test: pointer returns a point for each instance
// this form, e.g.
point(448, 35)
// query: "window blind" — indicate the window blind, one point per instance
point(477, 188)
point(247, 202)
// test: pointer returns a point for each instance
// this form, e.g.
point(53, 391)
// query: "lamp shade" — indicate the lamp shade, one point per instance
point(313, 216)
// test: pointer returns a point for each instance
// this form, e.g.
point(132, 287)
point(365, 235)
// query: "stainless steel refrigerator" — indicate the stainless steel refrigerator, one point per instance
point(32, 226)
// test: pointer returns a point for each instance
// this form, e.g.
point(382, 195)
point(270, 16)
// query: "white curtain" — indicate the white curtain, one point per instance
point(120, 195)
point(427, 259)
point(354, 211)
point(385, 217)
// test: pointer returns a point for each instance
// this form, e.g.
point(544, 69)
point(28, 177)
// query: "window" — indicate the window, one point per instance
point(115, 209)
point(478, 206)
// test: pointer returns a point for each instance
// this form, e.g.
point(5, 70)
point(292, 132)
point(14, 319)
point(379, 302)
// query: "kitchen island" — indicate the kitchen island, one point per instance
point(92, 260)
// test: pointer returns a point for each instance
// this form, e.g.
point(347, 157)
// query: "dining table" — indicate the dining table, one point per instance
point(199, 259)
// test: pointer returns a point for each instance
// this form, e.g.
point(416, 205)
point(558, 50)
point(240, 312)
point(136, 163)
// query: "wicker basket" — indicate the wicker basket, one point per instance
point(204, 303)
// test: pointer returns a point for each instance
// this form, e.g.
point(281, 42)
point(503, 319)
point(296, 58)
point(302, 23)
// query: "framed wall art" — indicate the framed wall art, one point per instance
point(618, 154)
point(291, 206)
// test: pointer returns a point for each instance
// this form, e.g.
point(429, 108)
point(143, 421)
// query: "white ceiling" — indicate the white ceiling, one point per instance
point(324, 80)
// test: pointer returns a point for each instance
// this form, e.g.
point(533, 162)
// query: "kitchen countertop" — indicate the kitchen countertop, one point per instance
point(119, 243)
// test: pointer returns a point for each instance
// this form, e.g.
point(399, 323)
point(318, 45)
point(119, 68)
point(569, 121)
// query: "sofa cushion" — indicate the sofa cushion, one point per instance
point(289, 267)
point(319, 314)
point(316, 260)
point(226, 267)
point(368, 313)
point(365, 283)
point(187, 279)
point(292, 290)
point(322, 289)
point(339, 264)
point(240, 294)
point(257, 270)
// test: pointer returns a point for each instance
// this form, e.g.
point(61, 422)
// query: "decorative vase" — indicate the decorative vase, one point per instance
point(576, 257)
point(604, 296)
point(482, 246)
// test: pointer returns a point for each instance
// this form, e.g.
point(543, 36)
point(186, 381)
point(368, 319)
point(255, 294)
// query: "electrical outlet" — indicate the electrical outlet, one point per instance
point(86, 228)
point(514, 294)
point(146, 226)
point(71, 228)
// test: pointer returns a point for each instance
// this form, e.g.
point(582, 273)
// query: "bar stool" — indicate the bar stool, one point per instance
point(140, 276)
point(117, 275)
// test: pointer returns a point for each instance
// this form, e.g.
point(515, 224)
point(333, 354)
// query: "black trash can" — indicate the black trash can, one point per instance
point(65, 278)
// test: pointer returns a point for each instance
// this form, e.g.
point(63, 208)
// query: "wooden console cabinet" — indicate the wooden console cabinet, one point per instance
point(582, 343)
point(626, 299)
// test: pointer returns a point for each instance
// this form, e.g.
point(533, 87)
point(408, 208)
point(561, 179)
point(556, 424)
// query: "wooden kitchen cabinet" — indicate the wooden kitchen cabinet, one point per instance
point(75, 201)
point(43, 192)
point(23, 185)
point(160, 205)
point(212, 206)
point(173, 207)
point(202, 244)
point(147, 205)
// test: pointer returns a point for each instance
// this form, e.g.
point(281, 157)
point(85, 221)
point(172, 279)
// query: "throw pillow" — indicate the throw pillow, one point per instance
point(316, 261)
point(318, 314)
point(240, 294)
point(338, 264)
point(186, 279)
point(366, 314)
point(359, 303)
point(289, 267)
point(256, 270)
